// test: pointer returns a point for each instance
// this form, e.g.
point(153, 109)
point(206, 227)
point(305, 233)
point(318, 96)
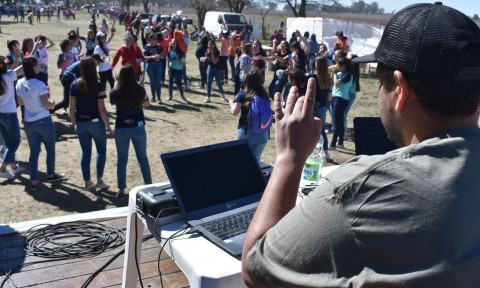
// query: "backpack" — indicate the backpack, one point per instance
point(260, 116)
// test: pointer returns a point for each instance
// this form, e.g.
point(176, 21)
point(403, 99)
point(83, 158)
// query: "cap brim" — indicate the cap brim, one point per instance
point(98, 58)
point(365, 59)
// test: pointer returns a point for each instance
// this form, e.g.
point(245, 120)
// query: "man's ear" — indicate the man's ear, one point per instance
point(403, 91)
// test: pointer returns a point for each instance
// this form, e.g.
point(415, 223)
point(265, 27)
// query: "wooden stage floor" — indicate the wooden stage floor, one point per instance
point(74, 272)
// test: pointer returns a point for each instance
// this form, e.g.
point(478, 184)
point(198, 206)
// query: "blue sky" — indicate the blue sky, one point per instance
point(469, 7)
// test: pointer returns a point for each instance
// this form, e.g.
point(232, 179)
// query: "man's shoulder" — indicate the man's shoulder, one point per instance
point(413, 165)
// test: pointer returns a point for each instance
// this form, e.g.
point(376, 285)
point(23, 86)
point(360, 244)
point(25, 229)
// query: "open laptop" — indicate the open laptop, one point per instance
point(213, 182)
point(371, 137)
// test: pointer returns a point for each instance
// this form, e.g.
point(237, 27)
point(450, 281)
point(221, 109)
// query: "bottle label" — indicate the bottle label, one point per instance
point(311, 171)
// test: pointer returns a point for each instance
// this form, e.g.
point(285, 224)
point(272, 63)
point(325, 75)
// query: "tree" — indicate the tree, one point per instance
point(201, 8)
point(372, 8)
point(301, 7)
point(358, 7)
point(298, 6)
point(265, 7)
point(146, 7)
point(237, 6)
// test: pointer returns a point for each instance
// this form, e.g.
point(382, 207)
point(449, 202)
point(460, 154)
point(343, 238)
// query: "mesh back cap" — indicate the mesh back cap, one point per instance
point(428, 39)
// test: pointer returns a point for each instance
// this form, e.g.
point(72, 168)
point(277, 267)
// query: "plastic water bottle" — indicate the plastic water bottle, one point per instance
point(312, 170)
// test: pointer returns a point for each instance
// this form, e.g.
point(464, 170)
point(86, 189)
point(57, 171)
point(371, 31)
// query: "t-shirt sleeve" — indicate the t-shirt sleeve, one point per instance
point(60, 58)
point(113, 95)
point(240, 97)
point(101, 92)
point(345, 77)
point(98, 50)
point(43, 88)
point(147, 51)
point(73, 89)
point(313, 243)
point(12, 74)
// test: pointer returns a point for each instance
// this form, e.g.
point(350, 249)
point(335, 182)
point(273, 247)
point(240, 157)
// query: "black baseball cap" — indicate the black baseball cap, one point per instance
point(97, 57)
point(428, 39)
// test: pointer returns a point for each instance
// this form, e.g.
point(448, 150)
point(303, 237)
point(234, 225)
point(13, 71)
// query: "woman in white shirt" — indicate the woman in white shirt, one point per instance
point(9, 126)
point(104, 69)
point(42, 57)
point(38, 124)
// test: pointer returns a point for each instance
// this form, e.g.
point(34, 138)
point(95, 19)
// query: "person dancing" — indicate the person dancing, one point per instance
point(39, 127)
point(88, 116)
point(130, 98)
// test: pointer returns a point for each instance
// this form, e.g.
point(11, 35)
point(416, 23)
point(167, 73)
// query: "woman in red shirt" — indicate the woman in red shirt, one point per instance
point(131, 54)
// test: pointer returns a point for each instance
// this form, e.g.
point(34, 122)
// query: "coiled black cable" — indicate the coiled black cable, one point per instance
point(68, 240)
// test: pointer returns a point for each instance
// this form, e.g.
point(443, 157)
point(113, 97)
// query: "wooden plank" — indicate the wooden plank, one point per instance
point(74, 272)
point(18, 255)
point(52, 271)
point(114, 277)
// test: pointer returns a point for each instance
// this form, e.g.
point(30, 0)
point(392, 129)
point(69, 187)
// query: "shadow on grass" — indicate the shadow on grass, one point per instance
point(155, 119)
point(160, 108)
point(63, 131)
point(66, 196)
point(188, 106)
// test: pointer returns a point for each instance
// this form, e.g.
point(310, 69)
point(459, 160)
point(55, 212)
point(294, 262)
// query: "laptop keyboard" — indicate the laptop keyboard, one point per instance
point(230, 226)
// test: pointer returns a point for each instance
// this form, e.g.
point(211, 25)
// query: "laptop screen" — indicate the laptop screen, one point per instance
point(371, 137)
point(212, 179)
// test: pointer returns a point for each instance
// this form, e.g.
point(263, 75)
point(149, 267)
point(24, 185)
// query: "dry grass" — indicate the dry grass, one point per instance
point(170, 126)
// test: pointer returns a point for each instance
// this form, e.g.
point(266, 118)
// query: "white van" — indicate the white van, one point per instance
point(214, 20)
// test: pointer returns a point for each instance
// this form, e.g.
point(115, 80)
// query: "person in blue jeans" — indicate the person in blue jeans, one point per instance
point(324, 84)
point(9, 126)
point(175, 69)
point(352, 94)
point(214, 70)
point(38, 124)
point(242, 104)
point(153, 54)
point(130, 98)
point(88, 116)
point(201, 53)
point(342, 81)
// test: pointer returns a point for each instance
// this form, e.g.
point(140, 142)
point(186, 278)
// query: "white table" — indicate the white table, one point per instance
point(204, 264)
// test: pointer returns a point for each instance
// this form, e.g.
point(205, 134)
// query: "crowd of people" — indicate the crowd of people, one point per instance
point(406, 218)
point(84, 76)
point(34, 13)
point(159, 50)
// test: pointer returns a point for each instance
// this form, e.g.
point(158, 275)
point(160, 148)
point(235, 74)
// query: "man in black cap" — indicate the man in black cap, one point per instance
point(409, 218)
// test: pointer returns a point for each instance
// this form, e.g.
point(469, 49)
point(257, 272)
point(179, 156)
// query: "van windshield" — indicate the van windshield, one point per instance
point(235, 19)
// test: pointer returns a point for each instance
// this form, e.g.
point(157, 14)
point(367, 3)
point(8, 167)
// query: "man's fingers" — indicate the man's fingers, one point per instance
point(277, 106)
point(291, 100)
point(309, 101)
point(317, 125)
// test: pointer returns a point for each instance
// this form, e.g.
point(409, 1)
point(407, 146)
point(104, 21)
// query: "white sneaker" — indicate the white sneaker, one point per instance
point(207, 100)
point(332, 148)
point(18, 171)
point(341, 146)
point(56, 177)
point(7, 174)
point(102, 185)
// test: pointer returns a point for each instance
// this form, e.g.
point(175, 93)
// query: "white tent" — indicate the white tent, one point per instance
point(363, 38)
